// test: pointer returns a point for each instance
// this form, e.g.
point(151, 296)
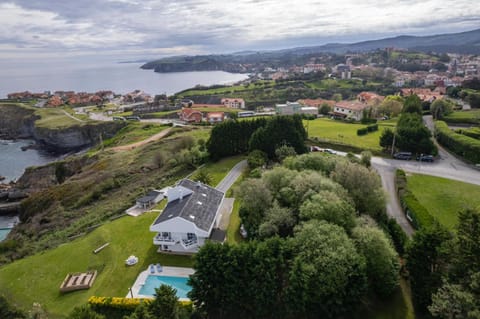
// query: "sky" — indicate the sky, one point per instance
point(146, 29)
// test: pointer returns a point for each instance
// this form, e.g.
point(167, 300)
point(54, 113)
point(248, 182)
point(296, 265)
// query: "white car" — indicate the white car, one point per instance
point(329, 151)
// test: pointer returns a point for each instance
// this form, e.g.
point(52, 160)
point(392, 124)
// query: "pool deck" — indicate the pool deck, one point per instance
point(167, 271)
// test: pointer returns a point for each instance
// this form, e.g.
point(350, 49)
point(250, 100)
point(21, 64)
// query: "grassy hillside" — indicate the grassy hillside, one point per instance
point(38, 278)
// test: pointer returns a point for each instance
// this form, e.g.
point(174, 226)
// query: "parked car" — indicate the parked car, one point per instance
point(329, 151)
point(403, 156)
point(425, 158)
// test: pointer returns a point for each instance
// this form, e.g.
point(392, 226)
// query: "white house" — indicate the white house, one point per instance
point(233, 103)
point(350, 109)
point(190, 217)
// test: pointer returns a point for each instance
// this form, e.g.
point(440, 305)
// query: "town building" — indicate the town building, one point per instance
point(190, 115)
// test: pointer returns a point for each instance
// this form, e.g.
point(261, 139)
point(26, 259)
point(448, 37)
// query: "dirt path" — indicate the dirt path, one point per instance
point(132, 146)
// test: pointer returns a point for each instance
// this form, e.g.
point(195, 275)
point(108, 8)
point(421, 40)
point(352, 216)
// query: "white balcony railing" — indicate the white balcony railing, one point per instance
point(160, 240)
point(189, 243)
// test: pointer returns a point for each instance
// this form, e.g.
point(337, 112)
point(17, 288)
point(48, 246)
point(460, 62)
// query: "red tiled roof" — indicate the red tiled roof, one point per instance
point(351, 105)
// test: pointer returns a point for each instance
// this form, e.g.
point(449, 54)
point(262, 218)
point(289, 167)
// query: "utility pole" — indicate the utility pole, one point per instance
point(393, 143)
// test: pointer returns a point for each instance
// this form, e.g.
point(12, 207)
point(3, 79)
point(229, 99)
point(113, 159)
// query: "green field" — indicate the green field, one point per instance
point(443, 198)
point(38, 278)
point(337, 132)
point(229, 89)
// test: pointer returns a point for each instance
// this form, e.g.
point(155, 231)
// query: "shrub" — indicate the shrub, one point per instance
point(362, 131)
point(372, 128)
point(419, 215)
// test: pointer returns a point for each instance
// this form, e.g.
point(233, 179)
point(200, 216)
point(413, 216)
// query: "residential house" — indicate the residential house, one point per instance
point(233, 103)
point(189, 219)
point(424, 94)
point(350, 109)
point(370, 98)
point(215, 117)
point(190, 115)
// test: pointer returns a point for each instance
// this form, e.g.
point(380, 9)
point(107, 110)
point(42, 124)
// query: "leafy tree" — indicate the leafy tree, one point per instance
point(474, 100)
point(426, 263)
point(278, 221)
point(412, 104)
point(366, 158)
point(454, 302)
point(278, 131)
point(391, 107)
point(441, 107)
point(365, 188)
point(256, 199)
point(284, 151)
point(328, 206)
point(382, 261)
point(386, 138)
point(311, 161)
point(85, 312)
point(165, 304)
point(141, 312)
point(325, 109)
point(466, 255)
point(413, 135)
point(328, 275)
point(256, 158)
point(203, 177)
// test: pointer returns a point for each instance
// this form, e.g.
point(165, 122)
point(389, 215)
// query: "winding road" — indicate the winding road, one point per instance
point(446, 165)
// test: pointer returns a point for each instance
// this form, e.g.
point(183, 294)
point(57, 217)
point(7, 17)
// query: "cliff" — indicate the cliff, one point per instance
point(18, 121)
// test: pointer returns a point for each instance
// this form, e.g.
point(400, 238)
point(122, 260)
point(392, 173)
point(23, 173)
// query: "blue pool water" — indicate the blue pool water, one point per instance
point(152, 282)
point(3, 233)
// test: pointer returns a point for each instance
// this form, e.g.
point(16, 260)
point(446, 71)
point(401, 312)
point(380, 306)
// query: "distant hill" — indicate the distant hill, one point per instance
point(464, 42)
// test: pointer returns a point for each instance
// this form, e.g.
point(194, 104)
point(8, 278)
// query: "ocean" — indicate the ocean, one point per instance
point(117, 77)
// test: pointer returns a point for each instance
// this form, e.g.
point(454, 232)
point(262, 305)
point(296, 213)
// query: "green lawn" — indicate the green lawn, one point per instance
point(37, 278)
point(345, 133)
point(229, 89)
point(443, 198)
point(220, 169)
point(233, 233)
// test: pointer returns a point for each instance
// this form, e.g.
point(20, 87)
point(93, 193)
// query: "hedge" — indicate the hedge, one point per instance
point(362, 131)
point(473, 132)
point(462, 145)
point(419, 215)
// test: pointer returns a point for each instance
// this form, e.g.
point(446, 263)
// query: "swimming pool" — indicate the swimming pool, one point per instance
point(3, 233)
point(153, 281)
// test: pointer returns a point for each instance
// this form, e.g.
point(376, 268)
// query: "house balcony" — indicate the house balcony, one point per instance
point(189, 243)
point(162, 240)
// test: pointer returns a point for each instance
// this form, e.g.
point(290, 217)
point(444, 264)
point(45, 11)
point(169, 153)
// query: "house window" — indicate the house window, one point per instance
point(167, 235)
point(349, 111)
point(191, 236)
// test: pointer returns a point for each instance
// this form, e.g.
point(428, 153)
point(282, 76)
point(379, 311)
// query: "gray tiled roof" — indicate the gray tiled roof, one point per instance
point(151, 195)
point(199, 208)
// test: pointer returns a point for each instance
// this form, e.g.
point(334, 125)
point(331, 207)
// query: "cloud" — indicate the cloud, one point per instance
point(218, 25)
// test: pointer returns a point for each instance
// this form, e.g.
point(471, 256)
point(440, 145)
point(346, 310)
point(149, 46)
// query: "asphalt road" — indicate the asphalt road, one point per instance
point(232, 176)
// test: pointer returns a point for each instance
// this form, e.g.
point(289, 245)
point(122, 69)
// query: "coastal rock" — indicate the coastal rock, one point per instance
point(19, 122)
point(15, 195)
